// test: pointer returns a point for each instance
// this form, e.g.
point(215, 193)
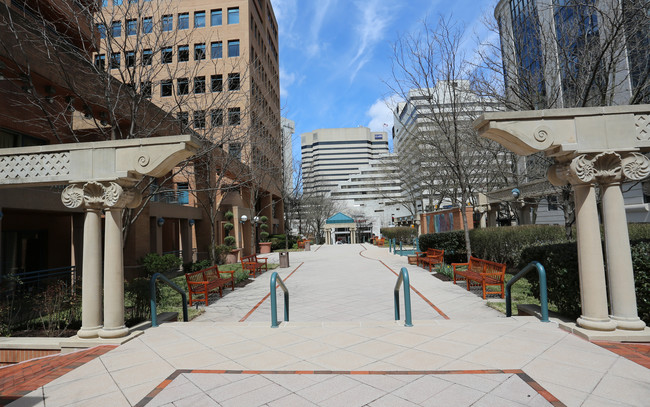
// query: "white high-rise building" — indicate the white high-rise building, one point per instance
point(331, 156)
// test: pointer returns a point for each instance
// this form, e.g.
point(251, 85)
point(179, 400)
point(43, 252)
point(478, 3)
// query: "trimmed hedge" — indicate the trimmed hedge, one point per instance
point(517, 246)
point(399, 233)
point(503, 244)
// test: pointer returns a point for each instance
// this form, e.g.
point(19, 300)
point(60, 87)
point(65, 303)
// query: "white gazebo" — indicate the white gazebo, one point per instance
point(340, 224)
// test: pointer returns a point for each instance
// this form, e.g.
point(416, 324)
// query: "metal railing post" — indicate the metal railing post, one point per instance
point(403, 277)
point(275, 279)
point(543, 296)
point(152, 292)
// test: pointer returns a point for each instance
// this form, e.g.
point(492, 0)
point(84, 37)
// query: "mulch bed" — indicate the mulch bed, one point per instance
point(442, 277)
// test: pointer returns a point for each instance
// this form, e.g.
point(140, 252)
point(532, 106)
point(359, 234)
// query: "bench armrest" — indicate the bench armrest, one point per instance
point(453, 265)
point(197, 283)
point(231, 272)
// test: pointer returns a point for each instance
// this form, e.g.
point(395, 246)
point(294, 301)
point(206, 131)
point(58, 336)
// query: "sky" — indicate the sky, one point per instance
point(335, 56)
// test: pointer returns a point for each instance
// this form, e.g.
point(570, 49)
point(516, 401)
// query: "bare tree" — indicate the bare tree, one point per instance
point(431, 73)
point(577, 53)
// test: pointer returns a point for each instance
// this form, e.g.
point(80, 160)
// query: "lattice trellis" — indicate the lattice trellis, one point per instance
point(35, 165)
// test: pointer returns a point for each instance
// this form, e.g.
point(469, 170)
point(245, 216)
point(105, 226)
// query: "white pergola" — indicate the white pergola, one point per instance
point(100, 177)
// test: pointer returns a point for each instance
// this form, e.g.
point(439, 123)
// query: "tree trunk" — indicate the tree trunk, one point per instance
point(463, 214)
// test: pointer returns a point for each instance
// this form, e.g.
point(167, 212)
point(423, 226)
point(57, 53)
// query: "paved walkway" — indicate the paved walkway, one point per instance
point(342, 348)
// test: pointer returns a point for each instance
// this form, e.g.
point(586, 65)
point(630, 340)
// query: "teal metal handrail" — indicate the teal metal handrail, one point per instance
point(403, 276)
point(274, 302)
point(152, 291)
point(543, 297)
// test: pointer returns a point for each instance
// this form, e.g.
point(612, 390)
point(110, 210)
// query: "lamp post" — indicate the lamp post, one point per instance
point(242, 220)
point(256, 220)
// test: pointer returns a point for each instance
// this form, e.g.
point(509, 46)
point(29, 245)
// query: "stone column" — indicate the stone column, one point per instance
point(581, 173)
point(593, 291)
point(116, 199)
point(89, 195)
point(619, 260)
point(113, 277)
point(492, 217)
point(186, 240)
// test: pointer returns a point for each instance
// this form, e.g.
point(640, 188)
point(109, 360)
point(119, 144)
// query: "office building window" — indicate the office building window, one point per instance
point(216, 83)
point(166, 55)
point(216, 117)
point(216, 50)
point(199, 119)
point(233, 48)
point(147, 56)
point(183, 21)
point(183, 53)
point(234, 149)
point(115, 60)
point(199, 19)
point(166, 87)
point(116, 29)
point(183, 119)
point(199, 84)
point(215, 18)
point(147, 25)
point(233, 15)
point(183, 86)
point(167, 23)
point(100, 61)
point(146, 89)
point(129, 59)
point(199, 52)
point(131, 27)
point(102, 30)
point(234, 116)
point(233, 81)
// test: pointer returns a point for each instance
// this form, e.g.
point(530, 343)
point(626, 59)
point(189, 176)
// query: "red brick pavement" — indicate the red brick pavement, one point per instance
point(22, 378)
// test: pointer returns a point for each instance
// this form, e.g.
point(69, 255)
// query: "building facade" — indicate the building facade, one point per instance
point(214, 67)
point(331, 156)
point(562, 54)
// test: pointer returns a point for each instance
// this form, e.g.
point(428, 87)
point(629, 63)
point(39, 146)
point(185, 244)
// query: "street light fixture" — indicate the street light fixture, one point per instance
point(242, 220)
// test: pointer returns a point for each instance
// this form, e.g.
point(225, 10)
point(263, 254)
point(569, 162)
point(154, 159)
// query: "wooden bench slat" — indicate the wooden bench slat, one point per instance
point(430, 257)
point(486, 273)
point(204, 281)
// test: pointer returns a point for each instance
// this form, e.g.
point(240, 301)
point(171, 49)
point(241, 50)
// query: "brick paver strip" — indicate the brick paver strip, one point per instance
point(248, 314)
point(22, 378)
point(520, 373)
point(438, 310)
point(636, 352)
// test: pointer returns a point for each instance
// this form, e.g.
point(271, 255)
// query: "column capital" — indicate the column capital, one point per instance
point(100, 195)
point(604, 168)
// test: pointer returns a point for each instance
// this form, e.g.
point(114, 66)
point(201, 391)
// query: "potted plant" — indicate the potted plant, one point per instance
point(230, 241)
point(265, 245)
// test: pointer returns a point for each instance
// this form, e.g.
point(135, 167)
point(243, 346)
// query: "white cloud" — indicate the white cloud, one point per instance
point(320, 10)
point(286, 80)
point(381, 113)
point(376, 16)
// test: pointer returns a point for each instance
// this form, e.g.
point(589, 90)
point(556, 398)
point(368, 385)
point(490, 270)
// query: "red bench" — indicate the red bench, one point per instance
point(430, 257)
point(484, 272)
point(204, 281)
point(254, 264)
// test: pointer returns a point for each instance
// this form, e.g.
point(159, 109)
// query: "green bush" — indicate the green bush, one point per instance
point(203, 264)
point(399, 233)
point(560, 260)
point(230, 241)
point(505, 244)
point(221, 251)
point(453, 243)
point(155, 263)
point(229, 216)
point(641, 263)
point(561, 264)
point(264, 236)
point(278, 242)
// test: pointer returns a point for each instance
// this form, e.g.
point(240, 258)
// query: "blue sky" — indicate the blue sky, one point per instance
point(335, 56)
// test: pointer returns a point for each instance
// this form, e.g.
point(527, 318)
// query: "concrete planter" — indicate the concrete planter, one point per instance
point(233, 256)
point(265, 247)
